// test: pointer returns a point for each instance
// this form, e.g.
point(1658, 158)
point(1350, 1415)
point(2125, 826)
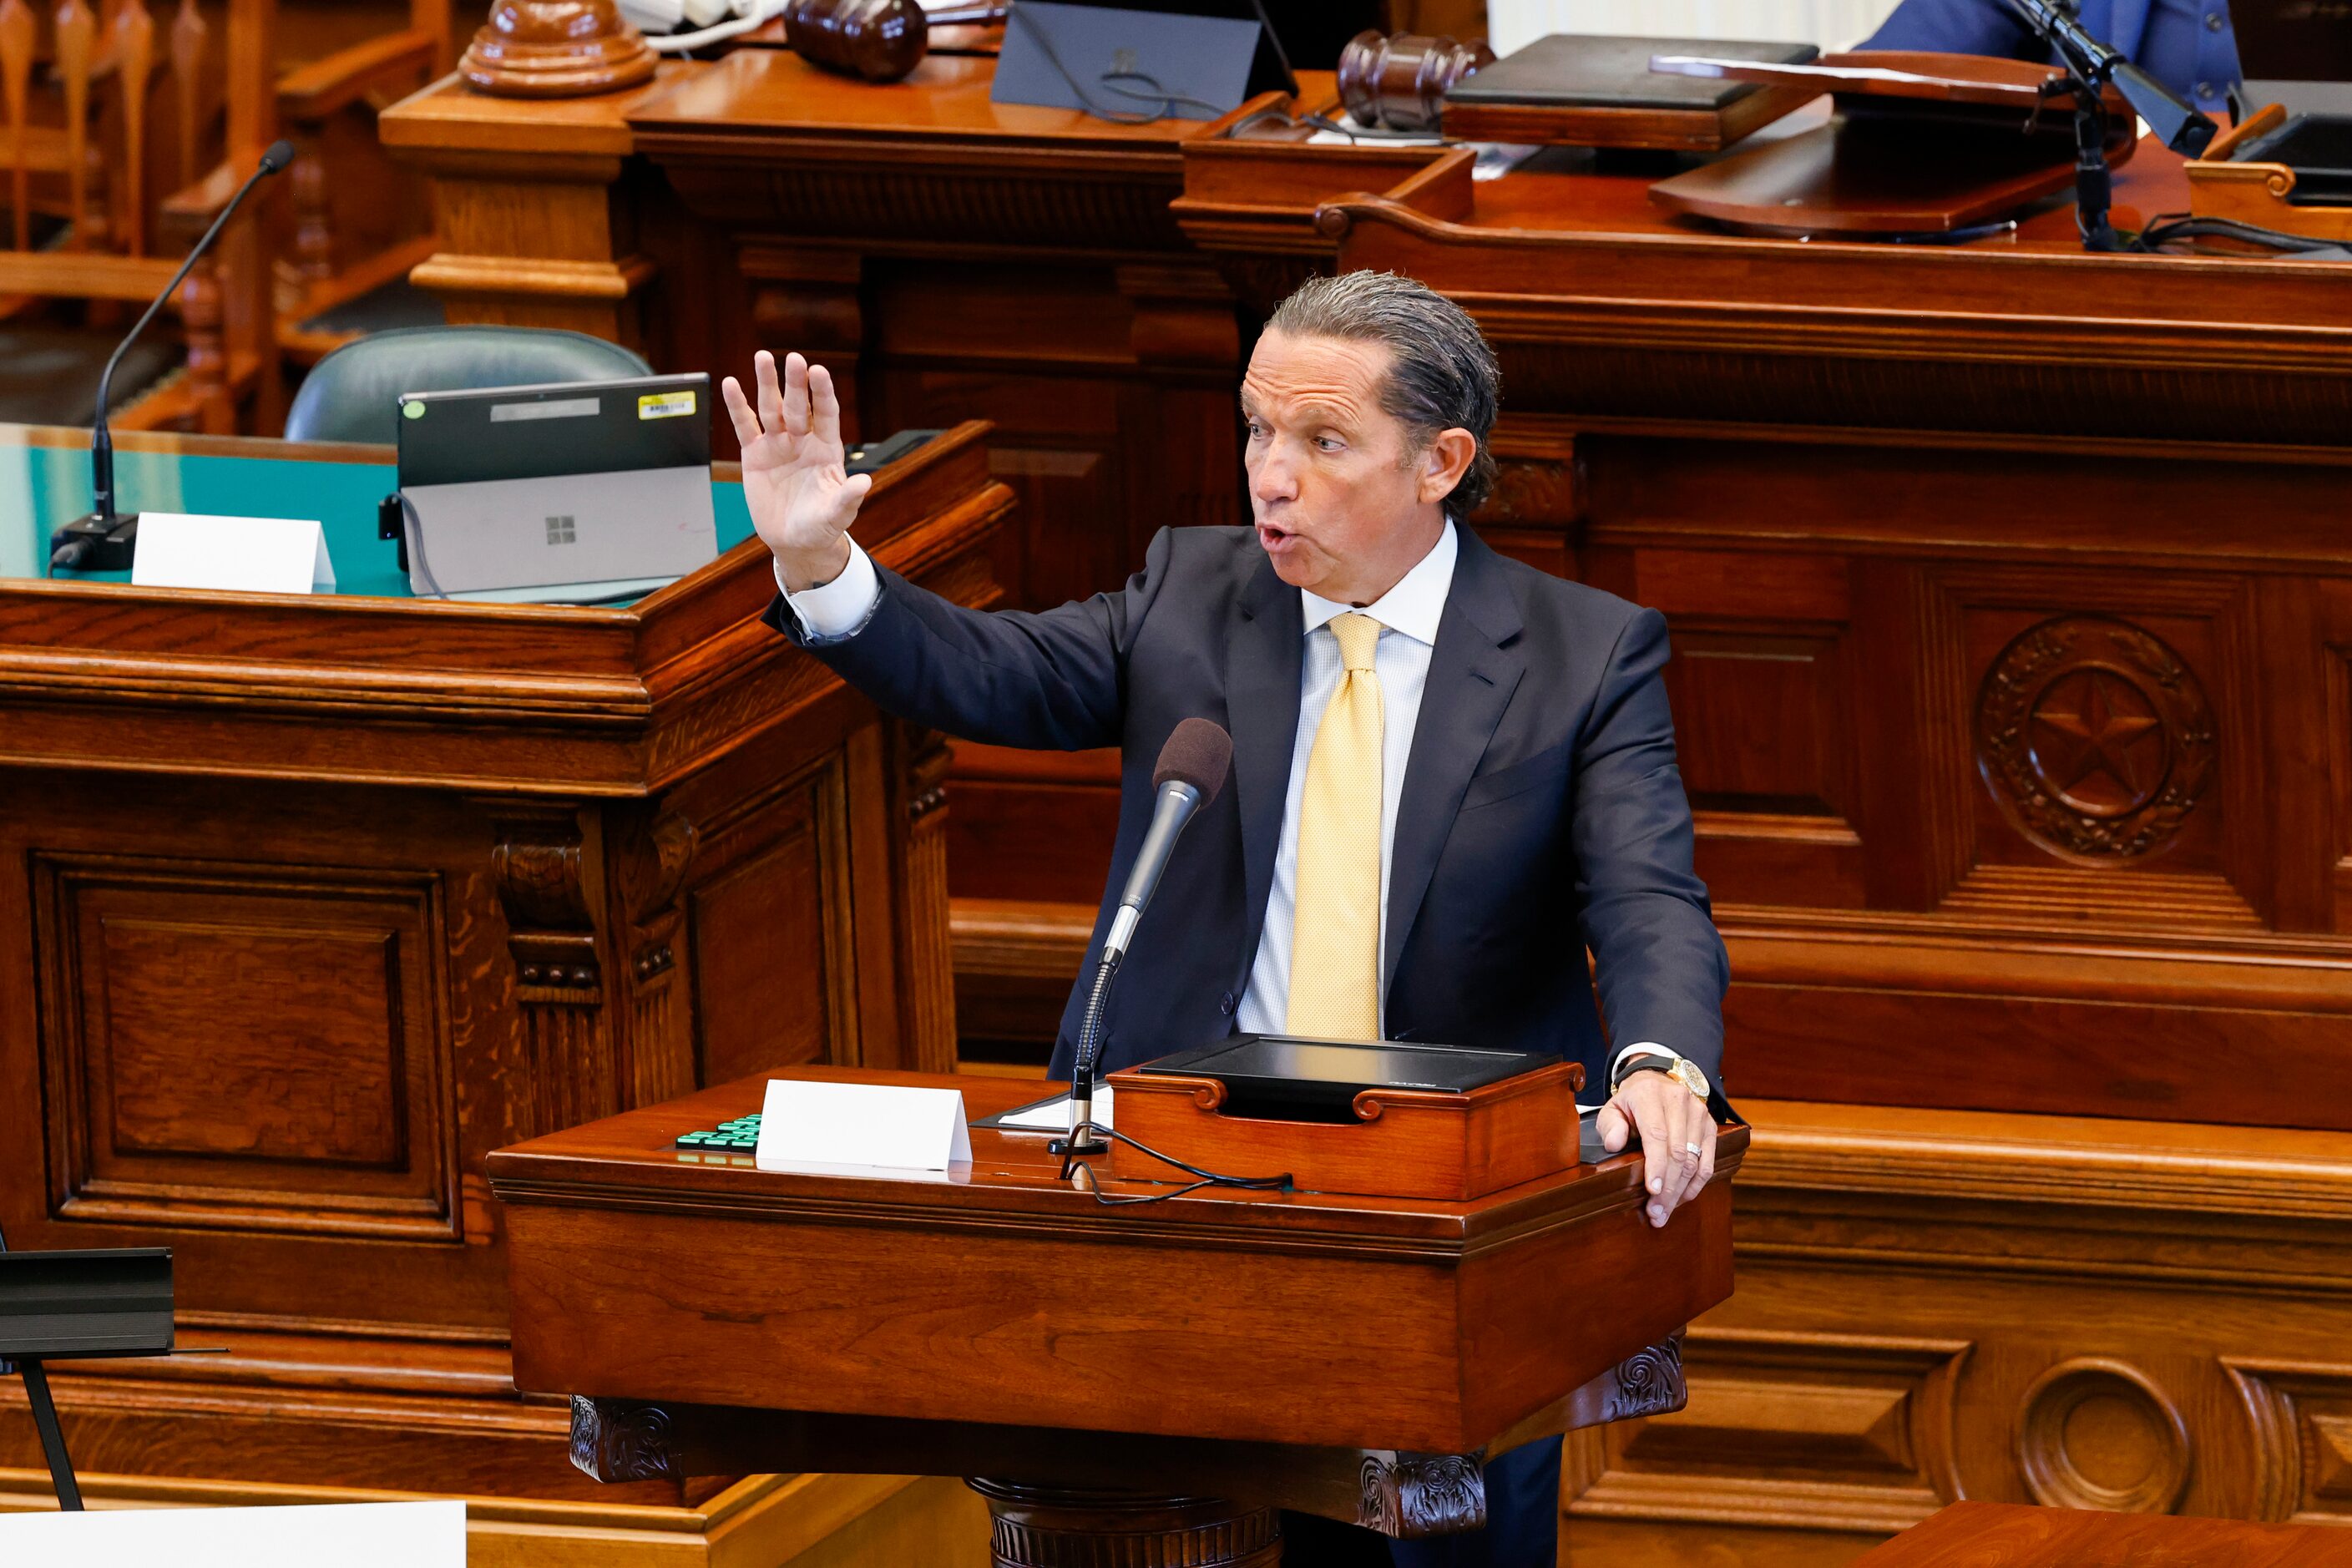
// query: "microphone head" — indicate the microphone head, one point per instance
point(279, 154)
point(1199, 754)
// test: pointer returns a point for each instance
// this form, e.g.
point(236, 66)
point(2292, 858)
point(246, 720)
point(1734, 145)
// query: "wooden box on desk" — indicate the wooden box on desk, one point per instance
point(1403, 1142)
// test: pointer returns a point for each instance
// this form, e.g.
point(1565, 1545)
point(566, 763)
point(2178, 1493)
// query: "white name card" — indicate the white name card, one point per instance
point(349, 1535)
point(809, 1123)
point(256, 555)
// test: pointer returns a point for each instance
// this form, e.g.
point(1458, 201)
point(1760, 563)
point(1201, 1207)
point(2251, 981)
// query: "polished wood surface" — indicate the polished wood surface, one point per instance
point(1991, 1535)
point(1408, 1143)
point(708, 1314)
point(726, 1309)
point(326, 897)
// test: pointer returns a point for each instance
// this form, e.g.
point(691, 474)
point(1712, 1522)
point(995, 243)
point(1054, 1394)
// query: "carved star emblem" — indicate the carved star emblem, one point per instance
point(2098, 742)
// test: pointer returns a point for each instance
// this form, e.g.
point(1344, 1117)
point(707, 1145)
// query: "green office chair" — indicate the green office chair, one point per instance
point(354, 394)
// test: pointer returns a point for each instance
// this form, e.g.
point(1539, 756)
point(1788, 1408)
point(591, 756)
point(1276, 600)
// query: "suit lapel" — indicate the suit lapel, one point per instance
point(1473, 671)
point(1263, 661)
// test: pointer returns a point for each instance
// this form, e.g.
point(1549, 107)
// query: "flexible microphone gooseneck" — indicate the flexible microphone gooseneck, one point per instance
point(1190, 771)
point(102, 540)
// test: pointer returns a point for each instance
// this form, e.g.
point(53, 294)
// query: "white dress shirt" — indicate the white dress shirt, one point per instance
point(1409, 615)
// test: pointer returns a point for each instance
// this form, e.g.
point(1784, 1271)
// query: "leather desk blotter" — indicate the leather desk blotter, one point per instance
point(1586, 91)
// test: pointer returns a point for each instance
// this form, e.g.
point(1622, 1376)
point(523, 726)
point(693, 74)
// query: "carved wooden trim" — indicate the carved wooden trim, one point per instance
point(2095, 737)
point(2044, 1457)
point(652, 871)
point(1408, 1496)
point(2277, 1449)
point(540, 869)
point(548, 878)
point(1649, 1383)
point(1086, 1527)
point(622, 1440)
point(928, 960)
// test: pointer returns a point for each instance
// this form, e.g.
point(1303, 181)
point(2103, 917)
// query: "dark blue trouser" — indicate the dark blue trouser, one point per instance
point(1522, 1526)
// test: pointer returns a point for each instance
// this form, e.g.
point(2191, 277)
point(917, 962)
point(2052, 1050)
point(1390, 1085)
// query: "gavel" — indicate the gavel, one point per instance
point(1399, 82)
point(880, 40)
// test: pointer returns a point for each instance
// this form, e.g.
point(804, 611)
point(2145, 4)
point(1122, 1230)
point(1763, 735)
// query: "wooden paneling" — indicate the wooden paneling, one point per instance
point(751, 999)
point(2133, 1316)
point(263, 1040)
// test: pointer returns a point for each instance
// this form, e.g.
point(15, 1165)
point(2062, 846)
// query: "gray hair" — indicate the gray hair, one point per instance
point(1441, 373)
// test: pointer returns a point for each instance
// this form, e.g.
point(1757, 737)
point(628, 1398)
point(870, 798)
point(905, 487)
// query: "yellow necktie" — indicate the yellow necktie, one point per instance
point(1335, 947)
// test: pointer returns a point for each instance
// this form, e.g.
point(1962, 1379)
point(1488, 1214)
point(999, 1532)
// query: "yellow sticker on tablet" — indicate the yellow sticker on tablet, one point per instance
point(664, 404)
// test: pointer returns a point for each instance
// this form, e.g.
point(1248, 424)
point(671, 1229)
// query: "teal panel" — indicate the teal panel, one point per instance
point(42, 488)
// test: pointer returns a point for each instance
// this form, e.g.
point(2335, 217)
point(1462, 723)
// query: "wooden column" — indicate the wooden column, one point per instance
point(537, 225)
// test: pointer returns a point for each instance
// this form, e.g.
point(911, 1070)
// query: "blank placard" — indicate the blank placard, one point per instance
point(807, 1122)
point(349, 1535)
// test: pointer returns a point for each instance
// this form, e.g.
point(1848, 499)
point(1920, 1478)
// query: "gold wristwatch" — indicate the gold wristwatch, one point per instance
point(1682, 1069)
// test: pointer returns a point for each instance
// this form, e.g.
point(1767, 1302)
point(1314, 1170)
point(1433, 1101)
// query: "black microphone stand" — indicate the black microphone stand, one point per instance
point(2092, 66)
point(45, 1422)
point(107, 1301)
point(104, 540)
point(1083, 1139)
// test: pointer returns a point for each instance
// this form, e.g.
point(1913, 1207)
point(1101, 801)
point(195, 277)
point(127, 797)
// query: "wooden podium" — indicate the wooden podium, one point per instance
point(1174, 1370)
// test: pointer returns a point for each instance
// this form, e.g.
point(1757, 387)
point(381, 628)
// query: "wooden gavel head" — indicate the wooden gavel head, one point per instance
point(880, 40)
point(1399, 82)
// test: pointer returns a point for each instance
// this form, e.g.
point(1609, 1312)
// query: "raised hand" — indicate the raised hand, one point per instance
point(802, 496)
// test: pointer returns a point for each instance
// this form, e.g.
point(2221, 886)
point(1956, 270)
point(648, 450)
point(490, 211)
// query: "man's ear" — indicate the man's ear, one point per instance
point(1449, 457)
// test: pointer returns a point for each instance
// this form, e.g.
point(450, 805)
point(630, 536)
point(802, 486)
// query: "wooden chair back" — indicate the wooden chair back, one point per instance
point(133, 129)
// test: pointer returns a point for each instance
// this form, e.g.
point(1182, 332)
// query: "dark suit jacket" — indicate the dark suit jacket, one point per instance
point(1542, 811)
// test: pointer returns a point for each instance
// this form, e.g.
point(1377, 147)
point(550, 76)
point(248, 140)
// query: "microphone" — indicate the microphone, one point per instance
point(1191, 768)
point(104, 540)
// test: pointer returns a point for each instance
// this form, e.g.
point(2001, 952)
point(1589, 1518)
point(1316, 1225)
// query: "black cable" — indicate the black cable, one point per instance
point(1281, 1183)
point(1153, 92)
point(2168, 227)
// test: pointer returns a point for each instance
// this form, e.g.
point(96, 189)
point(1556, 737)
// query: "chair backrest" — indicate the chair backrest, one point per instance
point(354, 394)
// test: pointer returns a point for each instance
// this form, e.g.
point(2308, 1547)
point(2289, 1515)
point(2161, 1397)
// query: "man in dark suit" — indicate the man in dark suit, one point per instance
point(2188, 45)
point(1453, 774)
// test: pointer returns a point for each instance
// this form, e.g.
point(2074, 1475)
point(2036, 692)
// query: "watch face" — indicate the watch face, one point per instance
point(1688, 1074)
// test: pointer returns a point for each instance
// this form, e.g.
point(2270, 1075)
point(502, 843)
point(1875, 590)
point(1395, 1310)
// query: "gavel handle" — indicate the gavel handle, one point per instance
point(969, 16)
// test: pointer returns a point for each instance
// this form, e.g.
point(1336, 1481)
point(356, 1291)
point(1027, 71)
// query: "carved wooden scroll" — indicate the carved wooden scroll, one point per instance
point(549, 887)
point(624, 1440)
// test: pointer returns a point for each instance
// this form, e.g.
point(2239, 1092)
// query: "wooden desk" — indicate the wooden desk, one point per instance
point(994, 1320)
point(1995, 1535)
point(316, 901)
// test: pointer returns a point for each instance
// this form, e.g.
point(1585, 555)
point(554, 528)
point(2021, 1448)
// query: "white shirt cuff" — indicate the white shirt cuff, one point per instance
point(838, 609)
